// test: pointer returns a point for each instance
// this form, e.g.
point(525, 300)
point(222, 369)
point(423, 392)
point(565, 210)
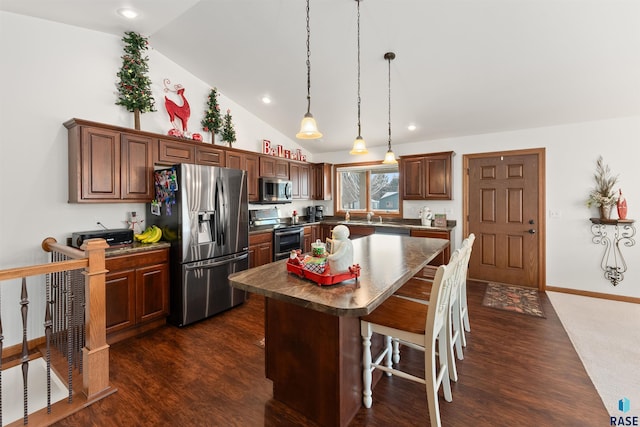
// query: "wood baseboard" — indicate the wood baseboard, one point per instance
point(591, 294)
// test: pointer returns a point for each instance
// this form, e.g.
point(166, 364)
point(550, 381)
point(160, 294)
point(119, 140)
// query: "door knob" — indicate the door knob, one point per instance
point(532, 231)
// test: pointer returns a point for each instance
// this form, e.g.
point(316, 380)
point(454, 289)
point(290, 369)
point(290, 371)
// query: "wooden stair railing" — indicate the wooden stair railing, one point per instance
point(95, 353)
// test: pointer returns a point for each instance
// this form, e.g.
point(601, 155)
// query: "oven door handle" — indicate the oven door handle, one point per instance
point(289, 232)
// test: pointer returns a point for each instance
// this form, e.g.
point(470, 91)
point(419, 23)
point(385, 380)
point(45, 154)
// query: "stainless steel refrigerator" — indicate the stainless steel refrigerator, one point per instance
point(203, 212)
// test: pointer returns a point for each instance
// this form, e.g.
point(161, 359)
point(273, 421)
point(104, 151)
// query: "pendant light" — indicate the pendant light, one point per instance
point(359, 146)
point(389, 158)
point(308, 126)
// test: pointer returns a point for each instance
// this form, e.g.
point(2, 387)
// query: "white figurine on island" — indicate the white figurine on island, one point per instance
point(341, 256)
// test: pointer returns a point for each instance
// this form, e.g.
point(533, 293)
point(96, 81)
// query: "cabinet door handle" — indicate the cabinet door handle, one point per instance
point(532, 231)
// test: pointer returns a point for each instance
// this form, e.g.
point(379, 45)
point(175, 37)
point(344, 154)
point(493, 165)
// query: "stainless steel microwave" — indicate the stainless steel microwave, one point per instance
point(274, 190)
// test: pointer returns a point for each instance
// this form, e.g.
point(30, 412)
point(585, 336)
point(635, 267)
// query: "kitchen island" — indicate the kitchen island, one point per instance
point(312, 333)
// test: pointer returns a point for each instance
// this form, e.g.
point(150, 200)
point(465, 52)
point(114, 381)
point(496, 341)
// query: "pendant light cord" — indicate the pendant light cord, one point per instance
point(308, 64)
point(389, 61)
point(359, 130)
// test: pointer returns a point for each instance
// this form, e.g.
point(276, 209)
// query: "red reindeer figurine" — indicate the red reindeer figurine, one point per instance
point(180, 111)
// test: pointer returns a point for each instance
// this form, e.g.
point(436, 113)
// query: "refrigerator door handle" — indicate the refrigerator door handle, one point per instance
point(214, 262)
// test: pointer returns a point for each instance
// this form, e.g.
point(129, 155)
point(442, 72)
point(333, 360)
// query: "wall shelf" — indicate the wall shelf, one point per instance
point(611, 233)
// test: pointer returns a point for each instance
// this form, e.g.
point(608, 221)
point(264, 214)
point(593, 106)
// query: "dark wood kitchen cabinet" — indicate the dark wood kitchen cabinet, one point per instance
point(260, 249)
point(274, 167)
point(249, 163)
point(426, 176)
point(321, 181)
point(325, 232)
point(173, 152)
point(299, 174)
point(106, 165)
point(357, 231)
point(311, 234)
point(443, 257)
point(209, 156)
point(136, 293)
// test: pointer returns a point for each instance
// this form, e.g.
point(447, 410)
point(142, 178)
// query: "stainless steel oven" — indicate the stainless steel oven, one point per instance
point(285, 240)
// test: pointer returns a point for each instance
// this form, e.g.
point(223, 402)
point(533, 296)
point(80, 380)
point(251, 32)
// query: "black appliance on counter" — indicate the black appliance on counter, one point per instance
point(204, 214)
point(311, 213)
point(319, 213)
point(286, 237)
point(113, 236)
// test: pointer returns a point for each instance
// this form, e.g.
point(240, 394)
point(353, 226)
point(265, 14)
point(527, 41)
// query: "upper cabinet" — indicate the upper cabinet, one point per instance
point(173, 152)
point(210, 156)
point(114, 164)
point(274, 167)
point(299, 174)
point(248, 162)
point(426, 176)
point(107, 165)
point(321, 181)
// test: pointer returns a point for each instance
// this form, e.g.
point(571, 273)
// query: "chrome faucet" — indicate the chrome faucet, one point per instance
point(380, 219)
point(369, 216)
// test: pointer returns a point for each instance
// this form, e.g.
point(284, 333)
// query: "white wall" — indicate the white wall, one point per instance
point(50, 73)
point(573, 261)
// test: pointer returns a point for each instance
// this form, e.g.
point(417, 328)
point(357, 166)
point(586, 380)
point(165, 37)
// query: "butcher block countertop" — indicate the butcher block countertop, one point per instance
point(386, 262)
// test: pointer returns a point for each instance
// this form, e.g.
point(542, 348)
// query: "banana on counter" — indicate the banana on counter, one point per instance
point(152, 234)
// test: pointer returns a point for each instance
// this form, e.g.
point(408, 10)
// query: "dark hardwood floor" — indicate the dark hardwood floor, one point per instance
point(518, 371)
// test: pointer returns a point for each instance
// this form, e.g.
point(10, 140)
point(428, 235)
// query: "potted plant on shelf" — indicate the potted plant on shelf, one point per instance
point(602, 195)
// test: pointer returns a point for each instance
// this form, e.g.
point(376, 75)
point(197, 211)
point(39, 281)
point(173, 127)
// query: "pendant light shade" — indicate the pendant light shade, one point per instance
point(359, 146)
point(389, 158)
point(308, 126)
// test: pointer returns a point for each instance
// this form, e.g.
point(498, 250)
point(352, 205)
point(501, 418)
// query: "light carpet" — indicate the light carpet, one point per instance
point(606, 336)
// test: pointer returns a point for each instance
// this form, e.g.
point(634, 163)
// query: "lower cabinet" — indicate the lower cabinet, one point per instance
point(311, 234)
point(443, 257)
point(356, 231)
point(260, 249)
point(325, 232)
point(137, 293)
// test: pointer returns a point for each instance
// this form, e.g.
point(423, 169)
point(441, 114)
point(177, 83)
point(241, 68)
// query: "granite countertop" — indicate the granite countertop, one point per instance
point(399, 223)
point(135, 247)
point(413, 224)
point(386, 261)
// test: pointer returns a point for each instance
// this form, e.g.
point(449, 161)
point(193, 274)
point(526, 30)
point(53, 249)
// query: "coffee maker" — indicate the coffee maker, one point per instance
point(319, 213)
point(311, 213)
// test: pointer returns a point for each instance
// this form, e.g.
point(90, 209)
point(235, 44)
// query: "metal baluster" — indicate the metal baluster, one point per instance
point(24, 302)
point(69, 301)
point(79, 279)
point(47, 332)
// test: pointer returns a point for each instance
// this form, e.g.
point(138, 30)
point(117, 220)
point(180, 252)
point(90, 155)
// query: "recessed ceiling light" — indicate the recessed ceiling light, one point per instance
point(127, 13)
point(266, 100)
point(411, 127)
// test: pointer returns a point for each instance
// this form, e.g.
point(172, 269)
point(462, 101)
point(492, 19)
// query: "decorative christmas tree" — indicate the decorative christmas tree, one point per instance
point(134, 89)
point(228, 132)
point(212, 121)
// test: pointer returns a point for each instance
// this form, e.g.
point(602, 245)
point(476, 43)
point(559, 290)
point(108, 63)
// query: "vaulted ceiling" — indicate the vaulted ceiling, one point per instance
point(463, 67)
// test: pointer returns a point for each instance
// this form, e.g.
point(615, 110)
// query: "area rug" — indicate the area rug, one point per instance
point(605, 334)
point(513, 298)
